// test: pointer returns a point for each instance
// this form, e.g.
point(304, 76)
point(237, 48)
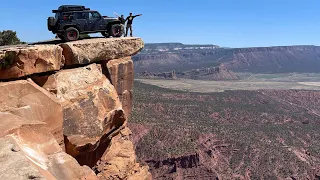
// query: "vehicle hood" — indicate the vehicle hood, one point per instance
point(110, 18)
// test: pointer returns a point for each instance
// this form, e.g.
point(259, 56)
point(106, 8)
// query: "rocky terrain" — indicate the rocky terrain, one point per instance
point(283, 59)
point(64, 111)
point(241, 134)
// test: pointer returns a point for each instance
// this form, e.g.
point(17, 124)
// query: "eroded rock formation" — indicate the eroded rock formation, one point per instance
point(18, 62)
point(64, 117)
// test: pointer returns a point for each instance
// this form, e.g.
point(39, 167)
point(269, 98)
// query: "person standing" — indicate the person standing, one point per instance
point(121, 18)
point(129, 20)
point(122, 21)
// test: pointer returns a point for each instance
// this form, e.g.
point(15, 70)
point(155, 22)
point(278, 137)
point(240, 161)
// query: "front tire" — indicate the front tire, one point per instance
point(116, 30)
point(71, 34)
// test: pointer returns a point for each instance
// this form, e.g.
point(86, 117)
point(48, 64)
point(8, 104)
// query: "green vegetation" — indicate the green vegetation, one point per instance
point(7, 60)
point(9, 37)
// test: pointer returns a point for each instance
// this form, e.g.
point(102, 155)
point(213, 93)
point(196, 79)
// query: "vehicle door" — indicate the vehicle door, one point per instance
point(81, 20)
point(95, 21)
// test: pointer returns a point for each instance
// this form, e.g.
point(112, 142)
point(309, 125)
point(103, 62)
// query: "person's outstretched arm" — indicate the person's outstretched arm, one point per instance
point(137, 15)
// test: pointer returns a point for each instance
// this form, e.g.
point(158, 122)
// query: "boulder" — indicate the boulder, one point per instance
point(91, 106)
point(14, 164)
point(16, 62)
point(31, 152)
point(120, 72)
point(119, 162)
point(10, 122)
point(99, 49)
point(29, 101)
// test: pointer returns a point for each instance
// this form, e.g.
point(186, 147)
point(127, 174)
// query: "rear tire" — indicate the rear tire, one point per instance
point(116, 30)
point(71, 34)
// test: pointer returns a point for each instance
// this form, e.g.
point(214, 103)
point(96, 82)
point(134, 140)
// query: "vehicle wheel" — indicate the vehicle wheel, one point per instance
point(116, 30)
point(105, 34)
point(71, 34)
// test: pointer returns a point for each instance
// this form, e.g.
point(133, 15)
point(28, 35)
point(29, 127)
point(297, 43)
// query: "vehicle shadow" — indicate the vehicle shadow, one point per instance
point(59, 41)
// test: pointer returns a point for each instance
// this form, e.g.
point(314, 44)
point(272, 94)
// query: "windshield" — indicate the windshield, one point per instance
point(94, 15)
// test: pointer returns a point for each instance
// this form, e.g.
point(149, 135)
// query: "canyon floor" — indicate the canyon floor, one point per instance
point(248, 81)
point(261, 127)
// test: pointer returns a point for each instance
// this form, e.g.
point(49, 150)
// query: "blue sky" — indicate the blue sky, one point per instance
point(230, 23)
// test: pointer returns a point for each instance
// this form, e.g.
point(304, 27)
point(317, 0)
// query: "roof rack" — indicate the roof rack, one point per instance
point(65, 8)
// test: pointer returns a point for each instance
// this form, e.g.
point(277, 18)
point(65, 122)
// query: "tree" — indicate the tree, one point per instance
point(9, 37)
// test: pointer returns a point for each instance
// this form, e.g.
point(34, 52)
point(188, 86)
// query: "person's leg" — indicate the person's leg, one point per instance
point(131, 30)
point(127, 28)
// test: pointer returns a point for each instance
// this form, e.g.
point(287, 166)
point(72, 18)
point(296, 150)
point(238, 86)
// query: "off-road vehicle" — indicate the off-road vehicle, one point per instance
point(72, 20)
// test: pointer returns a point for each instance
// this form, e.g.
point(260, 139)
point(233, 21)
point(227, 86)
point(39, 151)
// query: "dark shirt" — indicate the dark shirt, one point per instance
point(130, 19)
point(122, 20)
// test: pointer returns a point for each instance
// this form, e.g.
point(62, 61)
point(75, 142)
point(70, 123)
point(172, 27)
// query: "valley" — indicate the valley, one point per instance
point(227, 113)
point(247, 81)
point(238, 134)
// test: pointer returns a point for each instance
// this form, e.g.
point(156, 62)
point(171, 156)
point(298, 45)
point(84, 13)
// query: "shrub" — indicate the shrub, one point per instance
point(9, 37)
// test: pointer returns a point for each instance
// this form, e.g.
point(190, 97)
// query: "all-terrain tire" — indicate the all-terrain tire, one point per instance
point(51, 22)
point(71, 34)
point(116, 30)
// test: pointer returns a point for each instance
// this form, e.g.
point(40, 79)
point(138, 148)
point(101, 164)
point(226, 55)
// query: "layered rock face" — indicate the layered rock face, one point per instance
point(121, 75)
point(212, 74)
point(64, 110)
point(157, 58)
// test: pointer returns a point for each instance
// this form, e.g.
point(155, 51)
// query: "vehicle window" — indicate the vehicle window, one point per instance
point(94, 15)
point(81, 15)
point(66, 16)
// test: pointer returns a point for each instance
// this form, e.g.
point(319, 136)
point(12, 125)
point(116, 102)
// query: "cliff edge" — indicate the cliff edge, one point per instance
point(64, 111)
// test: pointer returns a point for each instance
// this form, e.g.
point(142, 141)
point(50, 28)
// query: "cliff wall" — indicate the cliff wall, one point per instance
point(64, 110)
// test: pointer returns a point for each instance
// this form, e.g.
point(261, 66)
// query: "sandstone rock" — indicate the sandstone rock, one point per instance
point(99, 49)
point(10, 122)
point(91, 105)
point(63, 166)
point(119, 162)
point(21, 61)
point(33, 152)
point(26, 99)
point(127, 102)
point(14, 164)
point(121, 76)
point(81, 104)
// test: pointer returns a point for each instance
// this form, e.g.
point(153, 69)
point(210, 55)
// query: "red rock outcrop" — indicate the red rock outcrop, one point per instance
point(121, 75)
point(21, 61)
point(95, 50)
point(29, 148)
point(120, 160)
point(91, 108)
point(68, 122)
point(26, 99)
